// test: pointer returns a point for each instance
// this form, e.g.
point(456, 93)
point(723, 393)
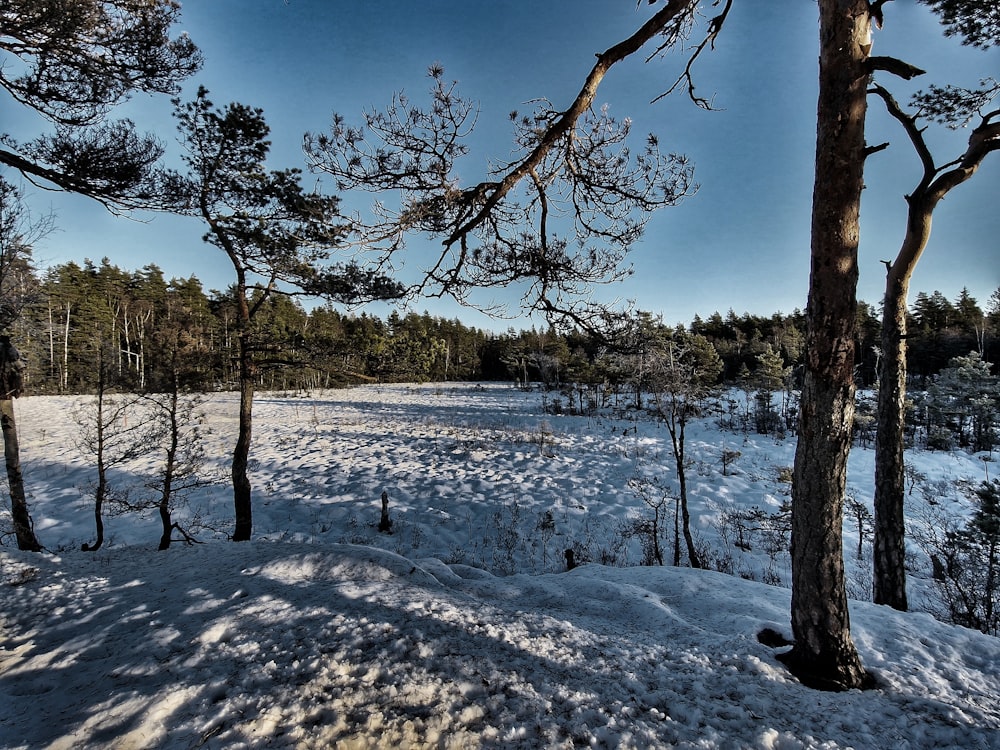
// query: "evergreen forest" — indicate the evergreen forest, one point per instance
point(134, 326)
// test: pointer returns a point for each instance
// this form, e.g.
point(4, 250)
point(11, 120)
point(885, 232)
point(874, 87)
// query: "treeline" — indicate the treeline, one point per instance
point(92, 318)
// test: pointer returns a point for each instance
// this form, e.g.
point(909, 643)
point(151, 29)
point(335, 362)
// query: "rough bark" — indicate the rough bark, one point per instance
point(889, 569)
point(23, 528)
point(824, 654)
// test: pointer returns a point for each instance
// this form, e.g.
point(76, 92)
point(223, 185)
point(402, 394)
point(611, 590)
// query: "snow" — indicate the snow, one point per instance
point(462, 628)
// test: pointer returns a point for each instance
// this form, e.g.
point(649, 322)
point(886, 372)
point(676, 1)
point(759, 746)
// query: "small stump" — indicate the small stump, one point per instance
point(385, 523)
point(570, 561)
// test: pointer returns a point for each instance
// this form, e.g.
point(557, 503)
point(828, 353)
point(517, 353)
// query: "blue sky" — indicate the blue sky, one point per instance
point(741, 243)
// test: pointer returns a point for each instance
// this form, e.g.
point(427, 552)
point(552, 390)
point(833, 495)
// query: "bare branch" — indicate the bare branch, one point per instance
point(687, 77)
point(913, 132)
point(869, 150)
point(893, 65)
point(936, 181)
point(575, 175)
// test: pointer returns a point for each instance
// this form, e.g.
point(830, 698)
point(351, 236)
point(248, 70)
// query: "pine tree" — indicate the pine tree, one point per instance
point(76, 61)
point(965, 400)
point(272, 231)
point(768, 378)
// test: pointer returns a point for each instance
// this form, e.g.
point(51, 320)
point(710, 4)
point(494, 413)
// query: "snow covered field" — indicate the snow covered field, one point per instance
point(461, 628)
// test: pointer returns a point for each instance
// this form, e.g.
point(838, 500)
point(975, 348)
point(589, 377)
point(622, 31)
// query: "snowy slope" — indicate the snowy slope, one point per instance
point(312, 636)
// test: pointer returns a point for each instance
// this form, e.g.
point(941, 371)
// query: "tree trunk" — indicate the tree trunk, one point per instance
point(824, 655)
point(167, 526)
point(65, 354)
point(102, 474)
point(693, 556)
point(241, 454)
point(23, 527)
point(889, 570)
point(991, 582)
point(102, 485)
point(52, 343)
point(170, 462)
point(676, 428)
point(677, 532)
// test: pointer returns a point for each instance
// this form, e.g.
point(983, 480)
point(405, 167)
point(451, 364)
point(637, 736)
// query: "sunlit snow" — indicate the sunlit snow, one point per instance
point(462, 628)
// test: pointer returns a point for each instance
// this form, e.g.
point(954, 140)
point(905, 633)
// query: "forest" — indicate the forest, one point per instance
point(82, 318)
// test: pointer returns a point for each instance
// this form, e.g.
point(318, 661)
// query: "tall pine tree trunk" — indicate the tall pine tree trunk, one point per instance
point(889, 569)
point(824, 654)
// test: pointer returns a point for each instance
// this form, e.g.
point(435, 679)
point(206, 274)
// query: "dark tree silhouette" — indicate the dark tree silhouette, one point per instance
point(11, 368)
point(18, 231)
point(75, 62)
